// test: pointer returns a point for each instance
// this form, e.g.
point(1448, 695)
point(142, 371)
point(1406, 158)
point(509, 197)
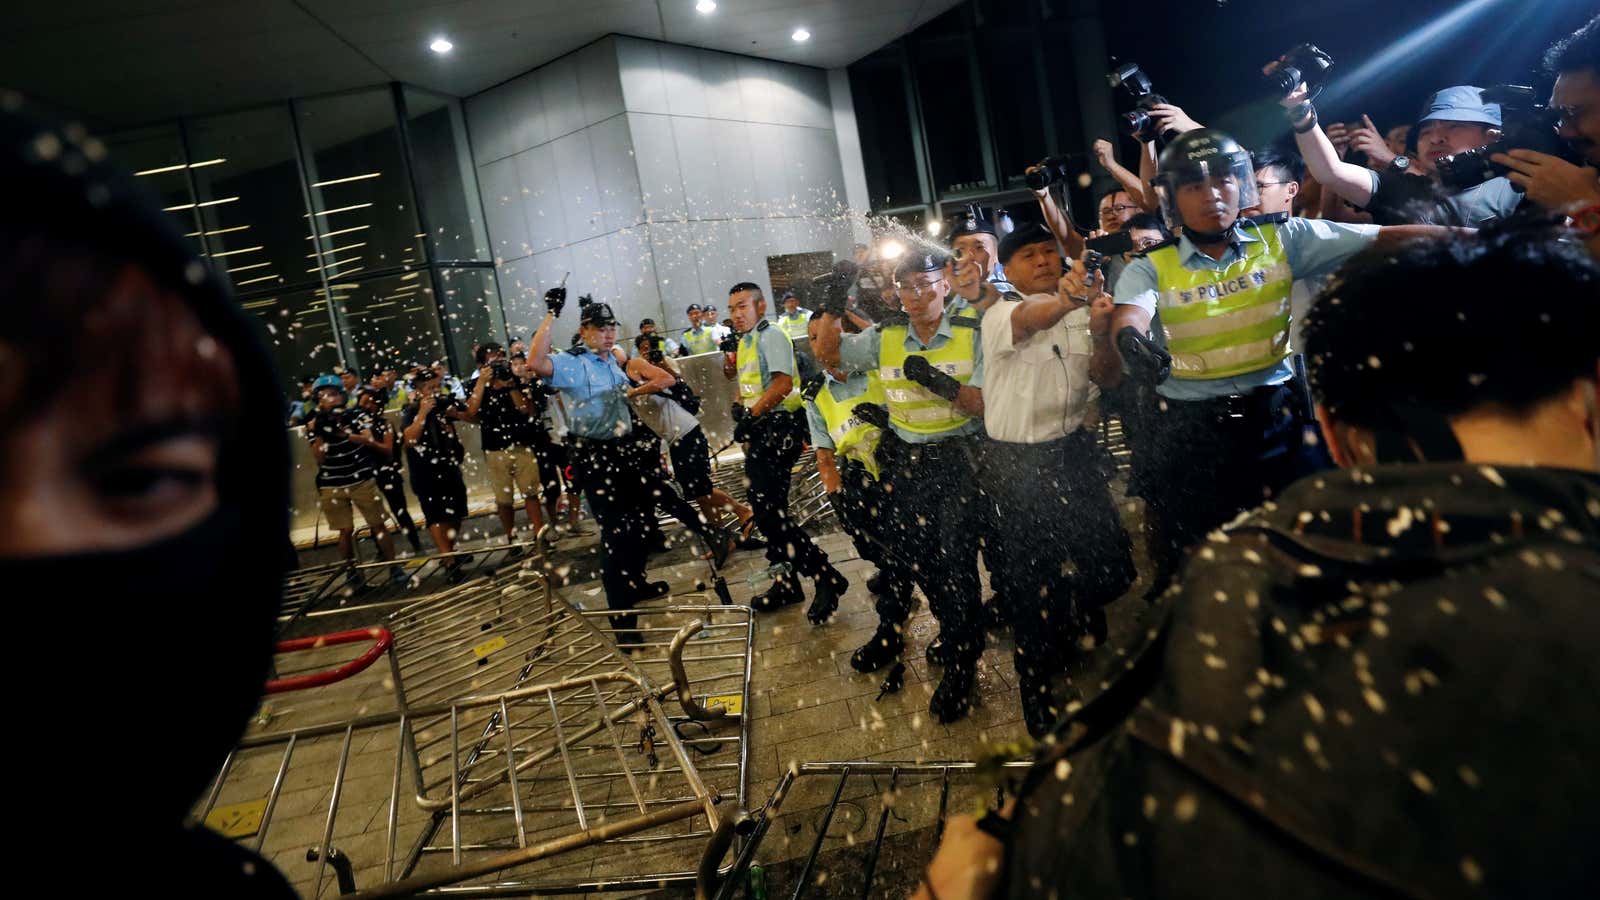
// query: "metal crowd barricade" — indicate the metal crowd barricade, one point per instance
point(523, 752)
point(341, 587)
point(808, 500)
point(849, 812)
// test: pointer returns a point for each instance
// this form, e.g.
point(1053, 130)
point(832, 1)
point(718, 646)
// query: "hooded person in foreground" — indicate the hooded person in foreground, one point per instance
point(1383, 684)
point(144, 501)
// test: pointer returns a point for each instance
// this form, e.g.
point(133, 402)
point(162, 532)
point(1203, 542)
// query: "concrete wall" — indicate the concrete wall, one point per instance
point(658, 175)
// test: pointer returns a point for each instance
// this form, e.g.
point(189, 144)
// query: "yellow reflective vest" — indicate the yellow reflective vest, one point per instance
point(912, 407)
point(852, 438)
point(749, 364)
point(1222, 323)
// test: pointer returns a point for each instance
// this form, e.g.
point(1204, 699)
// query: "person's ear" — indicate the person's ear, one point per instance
point(1349, 446)
point(1293, 189)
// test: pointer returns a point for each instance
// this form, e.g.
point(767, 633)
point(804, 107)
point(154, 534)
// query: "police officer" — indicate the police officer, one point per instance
point(846, 439)
point(795, 317)
point(602, 451)
point(931, 367)
point(1228, 433)
point(699, 337)
point(1044, 469)
point(975, 232)
point(768, 421)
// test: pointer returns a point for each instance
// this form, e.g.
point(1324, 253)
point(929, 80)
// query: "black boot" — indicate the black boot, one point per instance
point(941, 653)
point(825, 596)
point(952, 699)
point(415, 539)
point(881, 649)
point(1039, 710)
point(781, 594)
point(878, 583)
point(997, 614)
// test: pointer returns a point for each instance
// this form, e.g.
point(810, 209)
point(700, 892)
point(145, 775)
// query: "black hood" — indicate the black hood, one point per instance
point(173, 639)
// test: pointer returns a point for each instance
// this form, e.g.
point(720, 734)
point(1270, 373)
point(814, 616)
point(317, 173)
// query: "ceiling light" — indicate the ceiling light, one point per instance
point(198, 165)
point(254, 280)
point(934, 227)
point(441, 45)
point(343, 180)
point(801, 35)
point(198, 205)
point(705, 7)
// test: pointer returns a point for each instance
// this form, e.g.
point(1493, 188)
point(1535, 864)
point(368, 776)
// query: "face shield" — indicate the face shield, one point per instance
point(1213, 190)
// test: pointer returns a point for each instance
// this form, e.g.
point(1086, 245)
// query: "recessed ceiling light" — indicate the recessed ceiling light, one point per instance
point(441, 45)
point(801, 35)
point(705, 7)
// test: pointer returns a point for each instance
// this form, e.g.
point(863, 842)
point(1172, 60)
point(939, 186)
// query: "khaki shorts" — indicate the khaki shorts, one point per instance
point(336, 502)
point(512, 472)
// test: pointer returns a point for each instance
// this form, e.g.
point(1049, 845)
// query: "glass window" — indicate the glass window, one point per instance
point(390, 320)
point(878, 91)
point(155, 155)
point(250, 205)
point(296, 326)
point(950, 111)
point(471, 311)
point(1012, 83)
point(359, 196)
point(441, 166)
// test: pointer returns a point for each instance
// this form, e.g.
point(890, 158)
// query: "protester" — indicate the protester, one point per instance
point(434, 454)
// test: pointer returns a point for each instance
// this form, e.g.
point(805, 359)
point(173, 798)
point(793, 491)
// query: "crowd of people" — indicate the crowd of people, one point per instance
point(1363, 406)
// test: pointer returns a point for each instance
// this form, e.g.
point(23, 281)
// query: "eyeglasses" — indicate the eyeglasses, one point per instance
point(918, 288)
point(1121, 208)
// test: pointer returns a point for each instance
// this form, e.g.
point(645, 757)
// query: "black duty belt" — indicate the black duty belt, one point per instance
point(1261, 400)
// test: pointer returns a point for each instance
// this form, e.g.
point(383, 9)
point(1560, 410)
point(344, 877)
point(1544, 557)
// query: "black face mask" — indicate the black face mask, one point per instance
point(154, 717)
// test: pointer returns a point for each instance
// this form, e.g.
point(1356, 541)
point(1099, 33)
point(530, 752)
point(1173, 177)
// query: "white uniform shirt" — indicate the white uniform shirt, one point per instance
point(1031, 394)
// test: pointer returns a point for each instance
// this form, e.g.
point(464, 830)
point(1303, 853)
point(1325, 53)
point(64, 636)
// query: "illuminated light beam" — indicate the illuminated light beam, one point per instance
point(218, 231)
point(312, 237)
point(254, 280)
point(1383, 64)
point(337, 262)
point(337, 250)
point(232, 252)
point(260, 265)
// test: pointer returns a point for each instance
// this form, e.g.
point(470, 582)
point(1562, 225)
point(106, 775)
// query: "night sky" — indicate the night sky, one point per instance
point(1205, 55)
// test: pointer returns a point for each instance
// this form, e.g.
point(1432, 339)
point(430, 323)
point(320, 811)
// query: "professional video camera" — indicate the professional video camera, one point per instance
point(1137, 122)
point(1526, 123)
point(1052, 169)
point(1307, 63)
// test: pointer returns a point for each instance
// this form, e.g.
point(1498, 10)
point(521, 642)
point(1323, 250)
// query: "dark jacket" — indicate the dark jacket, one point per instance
point(1384, 686)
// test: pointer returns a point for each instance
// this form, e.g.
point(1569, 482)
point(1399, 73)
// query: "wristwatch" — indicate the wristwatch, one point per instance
point(1401, 164)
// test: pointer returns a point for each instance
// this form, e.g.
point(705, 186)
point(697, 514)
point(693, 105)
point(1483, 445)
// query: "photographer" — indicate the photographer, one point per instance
point(1229, 430)
point(1045, 470)
point(1453, 120)
point(387, 459)
point(931, 365)
point(1334, 683)
point(345, 473)
point(647, 328)
point(767, 420)
point(434, 454)
point(507, 412)
point(1550, 181)
point(975, 233)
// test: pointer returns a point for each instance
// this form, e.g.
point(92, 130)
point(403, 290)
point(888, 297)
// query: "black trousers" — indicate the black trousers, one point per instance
point(658, 485)
point(392, 485)
point(610, 474)
point(937, 508)
point(868, 517)
point(552, 459)
point(1054, 508)
point(768, 466)
point(1210, 460)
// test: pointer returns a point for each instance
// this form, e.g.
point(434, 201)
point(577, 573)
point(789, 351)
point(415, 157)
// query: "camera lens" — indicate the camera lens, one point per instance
point(1283, 80)
point(1135, 122)
point(1039, 180)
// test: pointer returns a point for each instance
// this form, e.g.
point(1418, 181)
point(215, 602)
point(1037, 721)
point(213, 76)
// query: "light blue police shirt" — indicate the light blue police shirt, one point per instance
point(1314, 247)
point(595, 391)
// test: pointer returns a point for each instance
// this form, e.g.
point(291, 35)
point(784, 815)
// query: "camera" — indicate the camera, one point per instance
point(1136, 123)
point(1115, 243)
point(500, 370)
point(1525, 123)
point(1052, 169)
point(328, 425)
point(649, 346)
point(1307, 63)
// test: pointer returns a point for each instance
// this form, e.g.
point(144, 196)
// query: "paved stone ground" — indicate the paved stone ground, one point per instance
point(806, 705)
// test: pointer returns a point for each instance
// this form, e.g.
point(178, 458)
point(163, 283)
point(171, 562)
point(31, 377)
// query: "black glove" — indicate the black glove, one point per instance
point(554, 300)
point(1147, 361)
point(812, 385)
point(918, 369)
point(873, 414)
point(743, 423)
point(729, 344)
